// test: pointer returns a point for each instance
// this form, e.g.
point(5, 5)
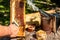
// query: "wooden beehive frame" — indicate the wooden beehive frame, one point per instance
point(17, 15)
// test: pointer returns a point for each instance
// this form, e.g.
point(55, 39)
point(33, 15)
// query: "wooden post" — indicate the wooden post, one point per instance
point(17, 15)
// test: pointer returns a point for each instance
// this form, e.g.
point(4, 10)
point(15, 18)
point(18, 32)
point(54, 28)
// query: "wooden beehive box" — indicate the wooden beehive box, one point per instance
point(37, 17)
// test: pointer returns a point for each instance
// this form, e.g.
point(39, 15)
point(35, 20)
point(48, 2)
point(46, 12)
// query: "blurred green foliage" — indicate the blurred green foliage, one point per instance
point(4, 12)
point(42, 4)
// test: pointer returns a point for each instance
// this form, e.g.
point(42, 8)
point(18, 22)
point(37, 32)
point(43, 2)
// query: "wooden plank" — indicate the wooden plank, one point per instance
point(17, 14)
